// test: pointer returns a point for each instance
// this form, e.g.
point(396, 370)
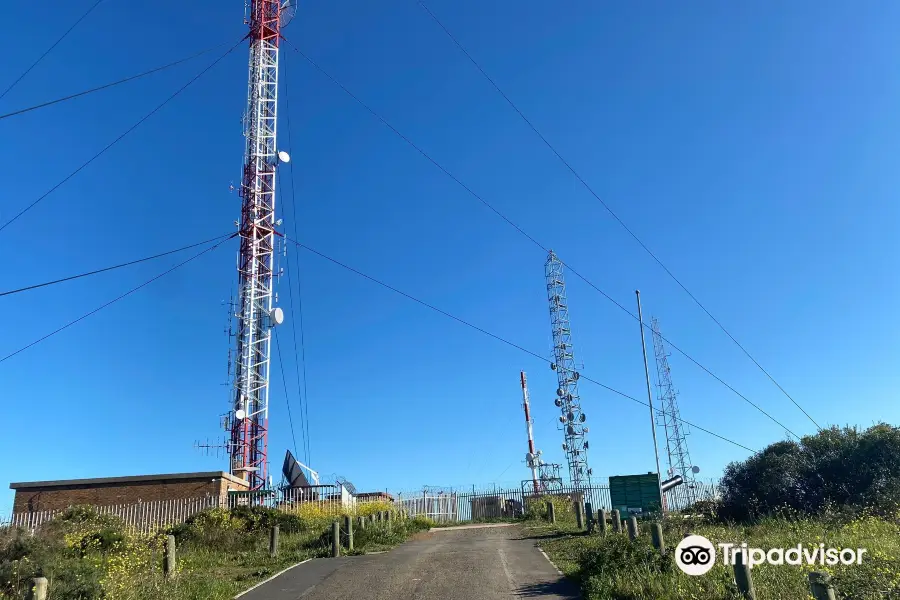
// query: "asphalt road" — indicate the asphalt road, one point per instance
point(467, 564)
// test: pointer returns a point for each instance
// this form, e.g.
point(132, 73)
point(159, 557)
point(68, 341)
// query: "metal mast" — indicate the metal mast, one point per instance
point(572, 418)
point(532, 457)
point(249, 418)
point(669, 417)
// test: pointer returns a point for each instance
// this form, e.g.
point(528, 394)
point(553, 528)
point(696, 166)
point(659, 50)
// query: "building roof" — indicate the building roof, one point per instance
point(24, 485)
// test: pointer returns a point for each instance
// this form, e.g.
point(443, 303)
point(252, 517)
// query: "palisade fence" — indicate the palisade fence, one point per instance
point(498, 503)
point(441, 506)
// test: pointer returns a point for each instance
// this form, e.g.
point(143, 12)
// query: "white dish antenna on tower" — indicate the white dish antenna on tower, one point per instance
point(288, 10)
point(277, 316)
point(284, 156)
point(239, 414)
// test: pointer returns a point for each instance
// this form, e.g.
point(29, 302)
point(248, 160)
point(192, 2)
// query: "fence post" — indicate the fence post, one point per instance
point(633, 529)
point(616, 521)
point(659, 542)
point(601, 520)
point(579, 515)
point(273, 541)
point(39, 589)
point(742, 577)
point(169, 556)
point(361, 521)
point(348, 525)
point(589, 511)
point(335, 539)
point(820, 586)
point(551, 512)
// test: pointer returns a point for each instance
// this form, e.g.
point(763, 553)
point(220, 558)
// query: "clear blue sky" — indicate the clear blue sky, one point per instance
point(754, 148)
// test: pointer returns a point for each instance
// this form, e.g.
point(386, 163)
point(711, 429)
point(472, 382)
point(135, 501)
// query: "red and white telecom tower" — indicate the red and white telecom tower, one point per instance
point(249, 417)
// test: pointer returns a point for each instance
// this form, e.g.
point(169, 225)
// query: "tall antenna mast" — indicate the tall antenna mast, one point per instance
point(249, 417)
point(669, 417)
point(532, 457)
point(572, 418)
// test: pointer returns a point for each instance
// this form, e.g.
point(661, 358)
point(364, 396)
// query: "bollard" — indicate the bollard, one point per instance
point(589, 511)
point(551, 512)
point(39, 589)
point(601, 520)
point(335, 539)
point(348, 526)
point(658, 541)
point(820, 586)
point(616, 521)
point(273, 541)
point(633, 530)
point(361, 522)
point(742, 576)
point(169, 557)
point(579, 515)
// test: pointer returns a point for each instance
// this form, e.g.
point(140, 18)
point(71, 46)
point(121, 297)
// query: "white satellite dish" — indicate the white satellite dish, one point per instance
point(529, 456)
point(277, 316)
point(284, 156)
point(695, 469)
point(288, 10)
point(239, 414)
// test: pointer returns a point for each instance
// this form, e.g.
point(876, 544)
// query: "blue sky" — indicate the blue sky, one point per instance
point(754, 148)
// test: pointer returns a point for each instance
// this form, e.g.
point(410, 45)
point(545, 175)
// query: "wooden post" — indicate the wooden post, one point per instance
point(633, 529)
point(820, 586)
point(39, 589)
point(361, 521)
point(551, 512)
point(601, 520)
point(273, 541)
point(579, 515)
point(169, 557)
point(742, 577)
point(589, 511)
point(659, 542)
point(335, 539)
point(348, 525)
point(616, 521)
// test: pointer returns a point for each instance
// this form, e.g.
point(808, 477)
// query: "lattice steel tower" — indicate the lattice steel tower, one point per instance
point(249, 417)
point(669, 416)
point(572, 418)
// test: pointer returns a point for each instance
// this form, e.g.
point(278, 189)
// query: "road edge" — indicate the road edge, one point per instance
point(278, 574)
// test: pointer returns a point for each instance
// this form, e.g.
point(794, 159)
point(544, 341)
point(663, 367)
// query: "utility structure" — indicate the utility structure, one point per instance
point(544, 476)
point(248, 420)
point(669, 417)
point(572, 418)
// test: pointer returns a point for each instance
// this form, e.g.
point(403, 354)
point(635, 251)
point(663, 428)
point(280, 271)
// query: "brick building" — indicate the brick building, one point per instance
point(54, 495)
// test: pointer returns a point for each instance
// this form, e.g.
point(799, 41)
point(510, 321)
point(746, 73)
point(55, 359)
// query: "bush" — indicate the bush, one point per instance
point(834, 468)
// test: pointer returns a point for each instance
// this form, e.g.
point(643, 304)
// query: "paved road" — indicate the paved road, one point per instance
point(467, 564)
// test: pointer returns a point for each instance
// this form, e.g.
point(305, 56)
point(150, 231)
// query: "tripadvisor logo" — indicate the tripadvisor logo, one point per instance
point(696, 555)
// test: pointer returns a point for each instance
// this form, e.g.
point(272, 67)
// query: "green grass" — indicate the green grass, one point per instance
point(614, 568)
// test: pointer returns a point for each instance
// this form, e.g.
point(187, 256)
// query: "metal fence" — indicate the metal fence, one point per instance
point(500, 503)
point(441, 506)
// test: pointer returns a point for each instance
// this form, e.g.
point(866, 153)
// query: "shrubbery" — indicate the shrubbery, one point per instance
point(836, 468)
point(88, 556)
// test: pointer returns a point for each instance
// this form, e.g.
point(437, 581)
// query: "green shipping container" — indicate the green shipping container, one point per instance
point(635, 494)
